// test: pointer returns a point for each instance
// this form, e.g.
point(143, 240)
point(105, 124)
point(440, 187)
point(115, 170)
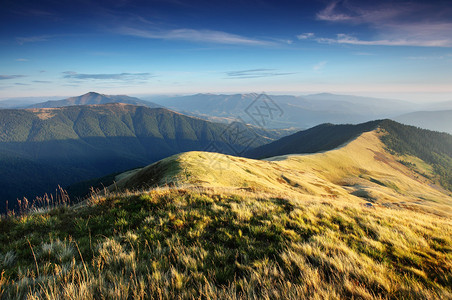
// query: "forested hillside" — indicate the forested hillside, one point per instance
point(435, 148)
point(320, 138)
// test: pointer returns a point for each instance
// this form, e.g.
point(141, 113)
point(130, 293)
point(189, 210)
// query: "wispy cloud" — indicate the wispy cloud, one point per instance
point(22, 59)
point(329, 13)
point(4, 77)
point(205, 36)
point(395, 24)
point(33, 39)
point(117, 76)
point(430, 57)
point(354, 11)
point(255, 73)
point(320, 66)
point(42, 81)
point(39, 13)
point(305, 36)
point(363, 53)
point(343, 38)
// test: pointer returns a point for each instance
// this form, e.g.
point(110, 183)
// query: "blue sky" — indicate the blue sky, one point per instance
point(399, 49)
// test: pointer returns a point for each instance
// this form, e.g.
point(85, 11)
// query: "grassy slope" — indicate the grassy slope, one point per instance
point(215, 244)
point(434, 148)
point(362, 169)
point(293, 227)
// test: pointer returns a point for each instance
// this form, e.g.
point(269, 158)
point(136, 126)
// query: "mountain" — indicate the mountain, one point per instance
point(18, 102)
point(290, 111)
point(93, 98)
point(45, 147)
point(320, 138)
point(443, 105)
point(367, 220)
point(434, 148)
point(433, 120)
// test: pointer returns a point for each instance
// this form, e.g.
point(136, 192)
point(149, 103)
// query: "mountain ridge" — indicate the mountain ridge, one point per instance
point(92, 98)
point(298, 111)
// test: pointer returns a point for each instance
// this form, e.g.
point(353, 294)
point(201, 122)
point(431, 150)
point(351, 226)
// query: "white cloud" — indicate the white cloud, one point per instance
point(431, 57)
point(117, 76)
point(21, 59)
point(343, 38)
point(329, 14)
point(395, 24)
point(305, 36)
point(255, 73)
point(208, 36)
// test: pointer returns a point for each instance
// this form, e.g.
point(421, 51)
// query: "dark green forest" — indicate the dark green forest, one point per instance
point(435, 148)
point(323, 137)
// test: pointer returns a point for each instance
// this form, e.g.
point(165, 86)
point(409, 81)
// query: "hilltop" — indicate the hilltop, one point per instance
point(353, 222)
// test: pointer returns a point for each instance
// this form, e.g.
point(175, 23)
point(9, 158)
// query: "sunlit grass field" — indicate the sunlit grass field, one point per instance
point(213, 243)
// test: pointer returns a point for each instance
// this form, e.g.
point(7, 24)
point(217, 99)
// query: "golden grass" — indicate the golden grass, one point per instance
point(220, 243)
point(361, 170)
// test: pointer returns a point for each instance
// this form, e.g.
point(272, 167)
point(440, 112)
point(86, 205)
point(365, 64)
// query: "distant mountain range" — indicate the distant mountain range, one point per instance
point(433, 120)
point(296, 111)
point(93, 98)
point(21, 102)
point(293, 111)
point(41, 148)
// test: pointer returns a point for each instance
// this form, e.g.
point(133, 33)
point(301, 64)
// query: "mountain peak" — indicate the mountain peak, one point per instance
point(92, 94)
